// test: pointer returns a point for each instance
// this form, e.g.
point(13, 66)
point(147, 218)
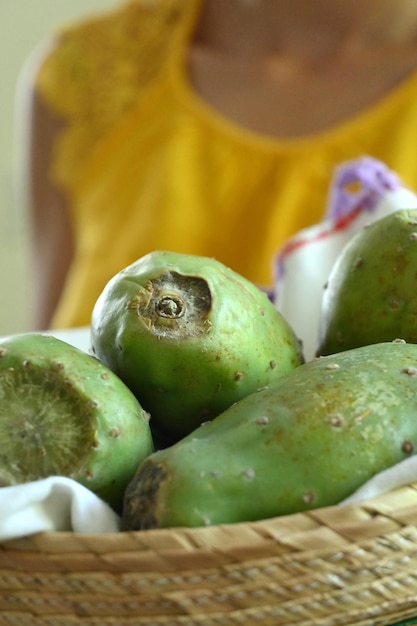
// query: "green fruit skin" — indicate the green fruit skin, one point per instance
point(183, 380)
point(371, 294)
point(310, 440)
point(118, 437)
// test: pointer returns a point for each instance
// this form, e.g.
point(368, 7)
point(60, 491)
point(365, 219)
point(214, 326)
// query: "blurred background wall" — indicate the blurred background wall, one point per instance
point(24, 24)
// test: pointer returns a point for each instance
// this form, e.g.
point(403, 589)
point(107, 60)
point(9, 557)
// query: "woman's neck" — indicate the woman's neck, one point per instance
point(310, 30)
point(289, 68)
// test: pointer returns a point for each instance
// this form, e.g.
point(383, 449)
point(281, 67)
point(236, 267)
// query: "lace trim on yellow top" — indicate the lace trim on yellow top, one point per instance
point(124, 48)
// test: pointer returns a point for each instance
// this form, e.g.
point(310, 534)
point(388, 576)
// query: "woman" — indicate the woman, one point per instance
point(208, 127)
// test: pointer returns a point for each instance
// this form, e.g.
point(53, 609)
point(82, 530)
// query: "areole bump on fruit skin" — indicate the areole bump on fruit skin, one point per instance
point(189, 337)
point(62, 412)
point(308, 440)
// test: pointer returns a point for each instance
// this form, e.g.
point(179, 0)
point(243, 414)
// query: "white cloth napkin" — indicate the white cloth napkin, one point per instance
point(398, 475)
point(53, 504)
point(61, 504)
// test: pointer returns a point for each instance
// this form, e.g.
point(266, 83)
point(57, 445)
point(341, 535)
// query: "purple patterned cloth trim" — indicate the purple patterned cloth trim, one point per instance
point(361, 182)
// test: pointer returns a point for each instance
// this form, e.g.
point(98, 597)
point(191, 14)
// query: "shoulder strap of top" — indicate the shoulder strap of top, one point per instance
point(99, 67)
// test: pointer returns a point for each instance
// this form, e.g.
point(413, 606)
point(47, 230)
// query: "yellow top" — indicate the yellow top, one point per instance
point(148, 165)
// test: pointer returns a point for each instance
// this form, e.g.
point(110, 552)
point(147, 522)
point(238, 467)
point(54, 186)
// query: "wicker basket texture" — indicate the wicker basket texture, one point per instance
point(353, 564)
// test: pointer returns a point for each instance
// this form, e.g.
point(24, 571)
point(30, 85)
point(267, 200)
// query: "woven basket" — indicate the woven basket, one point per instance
point(355, 564)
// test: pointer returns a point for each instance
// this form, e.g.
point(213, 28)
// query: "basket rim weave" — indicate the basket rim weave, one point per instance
point(350, 564)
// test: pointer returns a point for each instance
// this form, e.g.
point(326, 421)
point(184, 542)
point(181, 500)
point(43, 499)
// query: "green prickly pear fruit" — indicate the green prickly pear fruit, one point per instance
point(371, 294)
point(62, 412)
point(189, 337)
point(309, 440)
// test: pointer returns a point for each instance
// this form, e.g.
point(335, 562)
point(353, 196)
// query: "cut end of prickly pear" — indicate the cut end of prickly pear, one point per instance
point(34, 404)
point(175, 306)
point(140, 508)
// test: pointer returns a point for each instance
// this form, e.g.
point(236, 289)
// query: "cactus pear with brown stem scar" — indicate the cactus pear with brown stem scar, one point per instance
point(189, 337)
point(309, 440)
